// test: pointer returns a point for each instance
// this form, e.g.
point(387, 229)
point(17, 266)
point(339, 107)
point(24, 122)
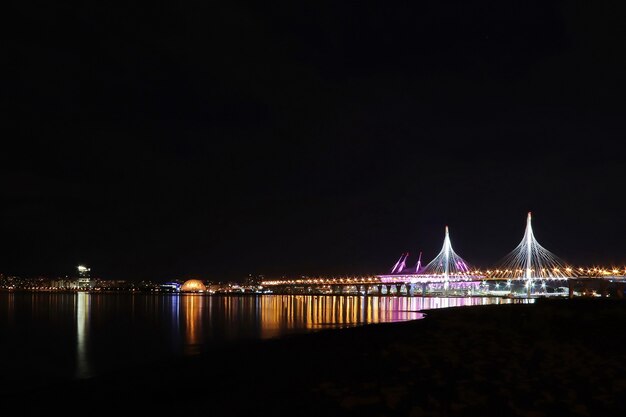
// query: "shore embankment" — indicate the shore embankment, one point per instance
point(553, 357)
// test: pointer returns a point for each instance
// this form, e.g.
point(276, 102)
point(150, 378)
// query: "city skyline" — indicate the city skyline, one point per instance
point(320, 138)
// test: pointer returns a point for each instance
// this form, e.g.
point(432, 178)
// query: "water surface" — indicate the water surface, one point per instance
point(51, 336)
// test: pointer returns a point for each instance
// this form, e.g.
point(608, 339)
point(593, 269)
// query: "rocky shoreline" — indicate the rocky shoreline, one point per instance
point(554, 357)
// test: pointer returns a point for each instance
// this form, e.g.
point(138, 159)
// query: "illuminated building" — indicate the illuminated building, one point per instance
point(84, 277)
point(170, 286)
point(193, 285)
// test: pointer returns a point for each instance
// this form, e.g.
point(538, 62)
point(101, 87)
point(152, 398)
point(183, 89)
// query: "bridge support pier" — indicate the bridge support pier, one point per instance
point(424, 287)
point(619, 291)
point(604, 288)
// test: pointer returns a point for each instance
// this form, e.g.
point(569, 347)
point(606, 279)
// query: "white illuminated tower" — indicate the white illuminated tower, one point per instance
point(531, 261)
point(84, 278)
point(447, 263)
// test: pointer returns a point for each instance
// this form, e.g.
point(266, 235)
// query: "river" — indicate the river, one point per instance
point(45, 337)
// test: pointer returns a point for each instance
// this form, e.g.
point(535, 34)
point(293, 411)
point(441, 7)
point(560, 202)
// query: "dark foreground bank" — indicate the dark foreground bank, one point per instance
point(552, 358)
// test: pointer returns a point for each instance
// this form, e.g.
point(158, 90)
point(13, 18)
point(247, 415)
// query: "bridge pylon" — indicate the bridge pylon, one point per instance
point(447, 263)
point(530, 261)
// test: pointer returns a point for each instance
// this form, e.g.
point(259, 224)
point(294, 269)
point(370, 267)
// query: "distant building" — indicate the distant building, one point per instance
point(254, 280)
point(172, 286)
point(64, 284)
point(84, 277)
point(193, 285)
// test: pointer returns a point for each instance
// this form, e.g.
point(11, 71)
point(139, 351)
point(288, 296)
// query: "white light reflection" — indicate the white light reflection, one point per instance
point(83, 307)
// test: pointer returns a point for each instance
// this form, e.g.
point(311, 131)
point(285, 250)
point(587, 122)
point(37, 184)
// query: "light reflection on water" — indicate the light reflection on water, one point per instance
point(83, 309)
point(52, 335)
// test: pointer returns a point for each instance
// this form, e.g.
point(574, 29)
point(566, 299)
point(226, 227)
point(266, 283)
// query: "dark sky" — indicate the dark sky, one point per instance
point(308, 137)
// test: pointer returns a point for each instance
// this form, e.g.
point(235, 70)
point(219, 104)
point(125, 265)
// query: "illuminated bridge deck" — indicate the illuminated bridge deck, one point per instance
point(491, 282)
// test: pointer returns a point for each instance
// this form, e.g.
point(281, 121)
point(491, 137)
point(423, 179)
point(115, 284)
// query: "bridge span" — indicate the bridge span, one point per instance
point(478, 285)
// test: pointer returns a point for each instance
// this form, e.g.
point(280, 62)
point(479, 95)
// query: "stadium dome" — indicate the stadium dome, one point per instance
point(193, 285)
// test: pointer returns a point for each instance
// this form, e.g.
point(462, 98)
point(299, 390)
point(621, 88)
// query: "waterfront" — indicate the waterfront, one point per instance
point(553, 357)
point(61, 336)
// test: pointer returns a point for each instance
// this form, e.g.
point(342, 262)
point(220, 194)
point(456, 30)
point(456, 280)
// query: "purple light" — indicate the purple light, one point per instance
point(396, 265)
point(403, 263)
point(419, 263)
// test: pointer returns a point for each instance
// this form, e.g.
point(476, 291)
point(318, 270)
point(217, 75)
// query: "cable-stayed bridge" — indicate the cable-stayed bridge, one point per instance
point(528, 270)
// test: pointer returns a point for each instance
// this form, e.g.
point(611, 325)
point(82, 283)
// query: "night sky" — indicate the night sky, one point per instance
point(308, 137)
